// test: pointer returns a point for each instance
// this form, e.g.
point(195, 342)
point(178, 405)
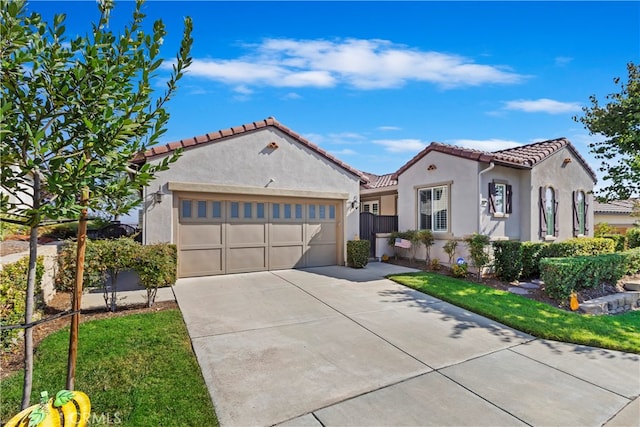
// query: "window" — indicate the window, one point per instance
point(248, 210)
point(312, 211)
point(202, 209)
point(287, 210)
point(372, 207)
point(500, 195)
point(276, 210)
point(580, 207)
point(235, 210)
point(298, 211)
point(260, 210)
point(321, 211)
point(548, 212)
point(433, 208)
point(186, 208)
point(332, 212)
point(217, 209)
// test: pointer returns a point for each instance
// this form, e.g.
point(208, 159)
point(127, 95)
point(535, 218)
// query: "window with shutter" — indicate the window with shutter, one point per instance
point(500, 198)
point(549, 225)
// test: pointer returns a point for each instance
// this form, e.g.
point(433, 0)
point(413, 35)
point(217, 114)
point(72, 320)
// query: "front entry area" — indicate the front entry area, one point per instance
point(222, 234)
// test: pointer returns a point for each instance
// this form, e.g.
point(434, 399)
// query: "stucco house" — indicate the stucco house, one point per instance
point(379, 195)
point(251, 198)
point(536, 192)
point(617, 213)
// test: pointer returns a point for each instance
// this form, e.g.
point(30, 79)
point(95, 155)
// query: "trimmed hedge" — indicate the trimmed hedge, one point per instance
point(155, 264)
point(565, 275)
point(620, 241)
point(13, 292)
point(532, 253)
point(633, 238)
point(507, 259)
point(358, 253)
point(579, 247)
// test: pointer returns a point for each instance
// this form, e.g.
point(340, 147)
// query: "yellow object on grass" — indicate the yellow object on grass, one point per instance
point(67, 409)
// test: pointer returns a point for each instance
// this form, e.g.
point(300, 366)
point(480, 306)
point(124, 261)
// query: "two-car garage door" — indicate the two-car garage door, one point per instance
point(227, 234)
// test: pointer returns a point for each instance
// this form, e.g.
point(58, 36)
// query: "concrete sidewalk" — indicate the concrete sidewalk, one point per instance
point(336, 346)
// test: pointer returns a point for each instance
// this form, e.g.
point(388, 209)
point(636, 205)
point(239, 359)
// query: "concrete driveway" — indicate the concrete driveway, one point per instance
point(336, 346)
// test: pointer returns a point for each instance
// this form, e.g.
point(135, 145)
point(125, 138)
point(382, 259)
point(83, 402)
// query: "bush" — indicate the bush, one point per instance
point(434, 264)
point(459, 270)
point(507, 259)
point(358, 253)
point(603, 228)
point(13, 291)
point(411, 235)
point(450, 249)
point(531, 254)
point(426, 238)
point(579, 247)
point(619, 240)
point(565, 275)
point(633, 238)
point(156, 266)
point(477, 244)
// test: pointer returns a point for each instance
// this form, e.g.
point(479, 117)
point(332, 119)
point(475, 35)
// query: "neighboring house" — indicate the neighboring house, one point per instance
point(251, 198)
point(535, 192)
point(380, 195)
point(617, 214)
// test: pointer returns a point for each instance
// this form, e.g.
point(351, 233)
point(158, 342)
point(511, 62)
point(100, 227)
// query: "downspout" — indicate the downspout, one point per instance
point(491, 166)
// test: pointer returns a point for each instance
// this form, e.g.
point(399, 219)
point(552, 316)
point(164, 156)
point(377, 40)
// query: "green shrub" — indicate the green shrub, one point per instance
point(450, 249)
point(411, 235)
point(507, 259)
point(583, 246)
point(117, 255)
point(95, 273)
point(620, 241)
point(531, 254)
point(603, 228)
point(8, 229)
point(358, 253)
point(13, 291)
point(426, 238)
point(477, 244)
point(156, 266)
point(632, 264)
point(565, 275)
point(633, 238)
point(459, 270)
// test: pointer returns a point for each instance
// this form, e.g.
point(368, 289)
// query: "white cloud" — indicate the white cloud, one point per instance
point(486, 144)
point(360, 64)
point(388, 128)
point(292, 95)
point(542, 105)
point(401, 145)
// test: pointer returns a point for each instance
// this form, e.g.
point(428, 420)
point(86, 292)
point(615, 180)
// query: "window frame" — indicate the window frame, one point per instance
point(549, 227)
point(507, 198)
point(580, 219)
point(371, 206)
point(434, 220)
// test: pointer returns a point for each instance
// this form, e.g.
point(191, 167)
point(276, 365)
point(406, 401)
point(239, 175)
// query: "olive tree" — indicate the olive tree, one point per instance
point(73, 115)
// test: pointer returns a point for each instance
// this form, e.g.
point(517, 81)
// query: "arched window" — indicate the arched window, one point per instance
point(548, 212)
point(580, 207)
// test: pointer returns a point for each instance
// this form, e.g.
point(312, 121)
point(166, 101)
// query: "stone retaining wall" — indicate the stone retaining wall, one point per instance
point(612, 304)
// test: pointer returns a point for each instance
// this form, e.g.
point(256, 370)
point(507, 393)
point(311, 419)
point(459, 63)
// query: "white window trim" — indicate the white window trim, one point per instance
point(447, 186)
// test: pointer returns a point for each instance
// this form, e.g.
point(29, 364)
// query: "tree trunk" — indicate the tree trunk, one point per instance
point(30, 297)
point(77, 293)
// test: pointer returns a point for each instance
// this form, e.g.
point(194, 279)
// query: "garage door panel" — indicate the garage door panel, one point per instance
point(246, 259)
point(202, 262)
point(286, 257)
point(200, 235)
point(319, 255)
point(246, 234)
point(324, 232)
point(286, 234)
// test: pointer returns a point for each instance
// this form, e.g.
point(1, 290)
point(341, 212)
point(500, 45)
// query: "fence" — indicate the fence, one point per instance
point(371, 224)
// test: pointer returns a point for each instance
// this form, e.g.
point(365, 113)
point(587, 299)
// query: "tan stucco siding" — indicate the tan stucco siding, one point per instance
point(621, 222)
point(247, 161)
point(507, 225)
point(460, 174)
point(564, 178)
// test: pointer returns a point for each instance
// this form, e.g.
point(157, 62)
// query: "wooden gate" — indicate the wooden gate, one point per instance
point(371, 224)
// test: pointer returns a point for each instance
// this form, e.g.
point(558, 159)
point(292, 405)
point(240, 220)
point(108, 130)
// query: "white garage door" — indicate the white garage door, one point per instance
point(233, 235)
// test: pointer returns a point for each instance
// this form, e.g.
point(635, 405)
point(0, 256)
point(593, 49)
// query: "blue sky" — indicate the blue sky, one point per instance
point(375, 82)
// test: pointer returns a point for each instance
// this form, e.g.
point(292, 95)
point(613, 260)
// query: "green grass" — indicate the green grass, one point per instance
point(138, 370)
point(616, 332)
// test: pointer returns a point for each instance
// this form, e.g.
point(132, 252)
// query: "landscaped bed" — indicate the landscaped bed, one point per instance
point(137, 369)
point(619, 332)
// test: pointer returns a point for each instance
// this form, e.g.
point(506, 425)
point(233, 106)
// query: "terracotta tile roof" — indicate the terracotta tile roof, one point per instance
point(379, 181)
point(523, 157)
point(218, 136)
point(624, 207)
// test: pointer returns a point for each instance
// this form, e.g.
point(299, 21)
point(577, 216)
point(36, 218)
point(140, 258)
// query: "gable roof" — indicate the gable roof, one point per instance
point(224, 134)
point(523, 157)
point(379, 181)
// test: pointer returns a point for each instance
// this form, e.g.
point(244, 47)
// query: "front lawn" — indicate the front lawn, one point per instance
point(616, 332)
point(138, 370)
